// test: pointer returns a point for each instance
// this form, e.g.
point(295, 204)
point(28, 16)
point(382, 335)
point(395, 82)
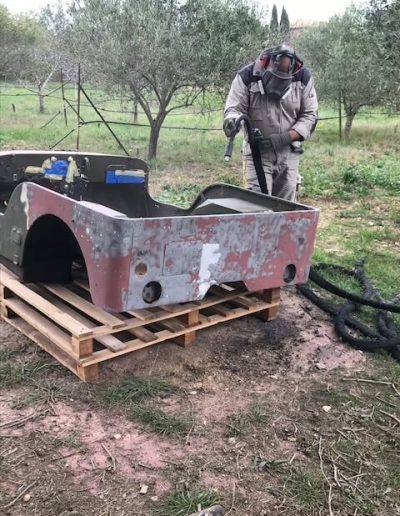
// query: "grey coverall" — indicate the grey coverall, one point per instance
point(297, 110)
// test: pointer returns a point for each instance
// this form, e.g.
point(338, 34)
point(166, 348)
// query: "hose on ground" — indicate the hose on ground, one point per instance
point(386, 336)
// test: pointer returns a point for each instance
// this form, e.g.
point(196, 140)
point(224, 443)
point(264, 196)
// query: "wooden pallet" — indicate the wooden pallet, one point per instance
point(63, 321)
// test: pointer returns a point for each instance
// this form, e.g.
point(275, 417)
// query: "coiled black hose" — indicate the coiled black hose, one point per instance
point(385, 336)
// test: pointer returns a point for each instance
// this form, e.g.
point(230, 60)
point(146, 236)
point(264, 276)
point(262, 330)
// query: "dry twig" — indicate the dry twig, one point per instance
point(13, 502)
point(392, 416)
point(113, 461)
point(321, 463)
point(22, 420)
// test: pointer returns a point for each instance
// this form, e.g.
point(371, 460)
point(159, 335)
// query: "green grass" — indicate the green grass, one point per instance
point(239, 424)
point(16, 373)
point(187, 501)
point(307, 490)
point(182, 195)
point(68, 441)
point(132, 395)
point(34, 397)
point(133, 390)
point(369, 231)
point(369, 161)
point(159, 421)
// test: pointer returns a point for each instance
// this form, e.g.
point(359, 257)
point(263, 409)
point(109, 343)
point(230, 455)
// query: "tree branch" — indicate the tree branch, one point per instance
point(142, 101)
point(154, 86)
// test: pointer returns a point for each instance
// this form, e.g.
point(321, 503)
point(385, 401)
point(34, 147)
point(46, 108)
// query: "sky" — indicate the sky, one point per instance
point(308, 10)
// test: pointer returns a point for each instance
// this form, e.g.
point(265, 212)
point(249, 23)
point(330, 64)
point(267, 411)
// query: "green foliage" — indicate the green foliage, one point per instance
point(383, 19)
point(184, 502)
point(18, 33)
point(159, 421)
point(241, 423)
point(306, 489)
point(182, 195)
point(159, 52)
point(343, 56)
point(132, 393)
point(15, 373)
point(273, 24)
point(284, 24)
point(357, 178)
point(133, 389)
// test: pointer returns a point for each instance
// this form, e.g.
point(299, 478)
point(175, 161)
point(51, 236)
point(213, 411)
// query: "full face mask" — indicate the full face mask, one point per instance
point(277, 78)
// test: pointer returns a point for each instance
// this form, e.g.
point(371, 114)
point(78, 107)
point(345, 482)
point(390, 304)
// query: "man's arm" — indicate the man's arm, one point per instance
point(305, 124)
point(237, 102)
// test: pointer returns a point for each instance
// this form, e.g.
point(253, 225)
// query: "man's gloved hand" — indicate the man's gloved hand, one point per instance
point(229, 127)
point(277, 141)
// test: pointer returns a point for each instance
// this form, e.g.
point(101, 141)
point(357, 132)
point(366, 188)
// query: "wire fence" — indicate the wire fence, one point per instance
point(201, 112)
point(75, 105)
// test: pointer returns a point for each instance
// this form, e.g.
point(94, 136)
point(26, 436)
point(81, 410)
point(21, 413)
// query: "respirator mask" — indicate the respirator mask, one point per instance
point(281, 64)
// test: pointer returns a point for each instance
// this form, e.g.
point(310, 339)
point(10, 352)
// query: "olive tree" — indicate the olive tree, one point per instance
point(342, 55)
point(383, 20)
point(163, 53)
point(27, 54)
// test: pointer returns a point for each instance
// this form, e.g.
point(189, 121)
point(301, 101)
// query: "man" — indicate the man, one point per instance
point(277, 93)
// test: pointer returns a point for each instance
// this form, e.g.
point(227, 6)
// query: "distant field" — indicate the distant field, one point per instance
point(329, 167)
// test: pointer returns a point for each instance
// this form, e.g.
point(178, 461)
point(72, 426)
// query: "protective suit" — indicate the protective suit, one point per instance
point(277, 103)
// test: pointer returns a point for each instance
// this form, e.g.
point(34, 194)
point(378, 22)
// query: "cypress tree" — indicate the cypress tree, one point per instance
point(284, 25)
point(274, 25)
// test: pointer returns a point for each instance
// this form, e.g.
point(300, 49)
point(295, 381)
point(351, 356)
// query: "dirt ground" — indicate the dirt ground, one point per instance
point(62, 452)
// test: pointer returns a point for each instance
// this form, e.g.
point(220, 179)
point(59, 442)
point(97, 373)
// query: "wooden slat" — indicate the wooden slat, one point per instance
point(102, 355)
point(142, 314)
point(203, 319)
point(40, 323)
point(221, 290)
point(142, 333)
point(162, 315)
point(221, 309)
point(109, 341)
point(173, 325)
point(47, 344)
point(171, 308)
point(244, 302)
point(75, 349)
point(24, 292)
point(216, 318)
point(86, 306)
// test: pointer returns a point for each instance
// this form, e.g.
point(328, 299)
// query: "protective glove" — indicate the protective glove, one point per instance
point(277, 141)
point(229, 127)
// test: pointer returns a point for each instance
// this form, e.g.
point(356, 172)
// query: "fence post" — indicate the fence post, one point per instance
point(340, 115)
point(79, 106)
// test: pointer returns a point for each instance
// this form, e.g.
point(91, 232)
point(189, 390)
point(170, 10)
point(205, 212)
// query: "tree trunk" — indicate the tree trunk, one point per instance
point(349, 121)
point(135, 112)
point(41, 99)
point(153, 142)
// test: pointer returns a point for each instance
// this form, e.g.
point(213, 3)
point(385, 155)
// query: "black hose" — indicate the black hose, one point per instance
point(255, 150)
point(385, 336)
point(327, 285)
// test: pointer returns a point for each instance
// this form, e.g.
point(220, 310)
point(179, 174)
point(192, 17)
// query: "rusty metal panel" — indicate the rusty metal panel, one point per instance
point(168, 254)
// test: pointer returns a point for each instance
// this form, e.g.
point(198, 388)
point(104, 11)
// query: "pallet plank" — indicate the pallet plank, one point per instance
point(24, 292)
point(102, 355)
point(74, 348)
point(85, 306)
point(161, 315)
point(109, 341)
point(47, 344)
point(40, 323)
